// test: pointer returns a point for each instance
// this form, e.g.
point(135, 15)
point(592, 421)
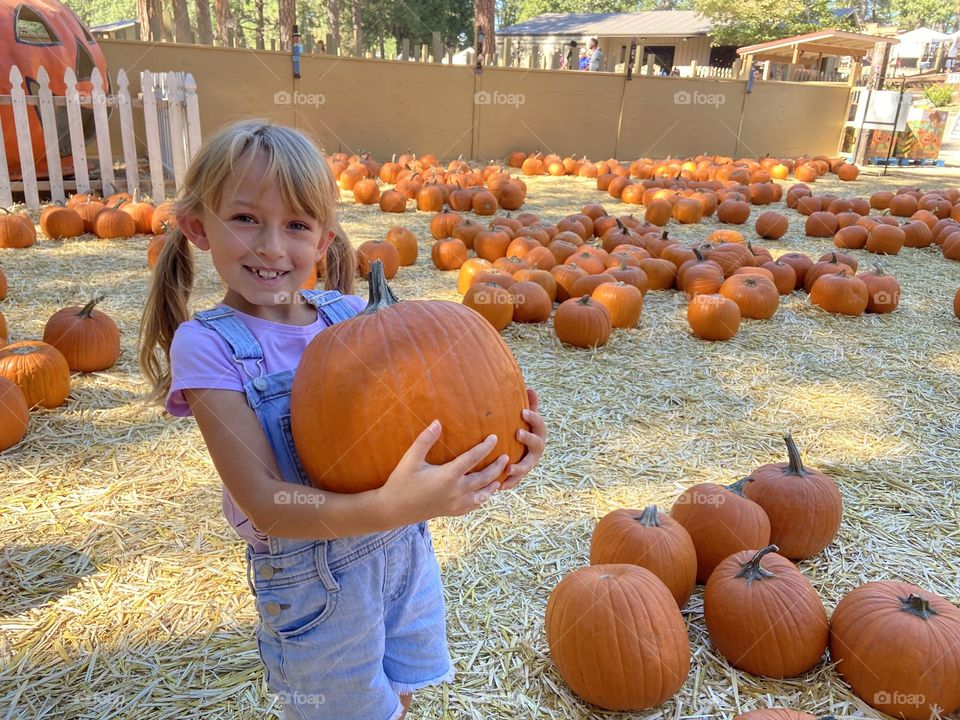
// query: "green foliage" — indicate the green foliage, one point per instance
point(97, 12)
point(911, 14)
point(939, 95)
point(761, 20)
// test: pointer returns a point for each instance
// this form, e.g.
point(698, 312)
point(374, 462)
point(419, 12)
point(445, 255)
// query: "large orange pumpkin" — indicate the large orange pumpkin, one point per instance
point(721, 521)
point(47, 33)
point(39, 370)
point(409, 363)
point(14, 415)
point(897, 647)
point(88, 339)
point(803, 504)
point(652, 540)
point(617, 637)
point(763, 615)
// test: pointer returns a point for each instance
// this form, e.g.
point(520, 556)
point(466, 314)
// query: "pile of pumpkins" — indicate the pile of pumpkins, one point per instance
point(75, 339)
point(599, 268)
point(424, 181)
point(618, 639)
point(702, 167)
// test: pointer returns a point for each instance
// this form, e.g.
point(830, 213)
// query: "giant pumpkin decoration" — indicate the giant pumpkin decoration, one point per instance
point(354, 414)
point(45, 33)
point(617, 637)
point(897, 647)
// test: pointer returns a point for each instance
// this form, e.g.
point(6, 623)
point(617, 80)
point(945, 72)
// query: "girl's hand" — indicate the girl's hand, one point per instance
point(417, 490)
point(535, 440)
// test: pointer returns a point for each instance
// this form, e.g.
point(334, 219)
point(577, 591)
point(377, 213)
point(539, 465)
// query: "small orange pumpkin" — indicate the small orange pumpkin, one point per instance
point(88, 339)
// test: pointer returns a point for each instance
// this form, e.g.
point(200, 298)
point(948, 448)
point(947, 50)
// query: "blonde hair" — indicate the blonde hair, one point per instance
point(300, 171)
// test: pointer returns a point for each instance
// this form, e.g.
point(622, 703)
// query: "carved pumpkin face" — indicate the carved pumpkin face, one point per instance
point(47, 33)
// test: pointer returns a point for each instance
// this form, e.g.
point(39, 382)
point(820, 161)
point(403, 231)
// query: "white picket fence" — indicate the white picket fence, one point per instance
point(171, 121)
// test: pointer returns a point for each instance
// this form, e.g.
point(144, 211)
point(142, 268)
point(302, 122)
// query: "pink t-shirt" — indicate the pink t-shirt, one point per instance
point(201, 359)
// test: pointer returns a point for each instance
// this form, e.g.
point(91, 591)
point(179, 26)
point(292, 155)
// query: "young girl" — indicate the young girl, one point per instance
point(346, 586)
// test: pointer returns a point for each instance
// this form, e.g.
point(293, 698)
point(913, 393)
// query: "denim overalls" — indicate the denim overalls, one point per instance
point(346, 624)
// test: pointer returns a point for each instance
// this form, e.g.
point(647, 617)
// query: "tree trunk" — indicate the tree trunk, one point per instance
point(163, 21)
point(288, 16)
point(204, 29)
point(357, 40)
point(222, 10)
point(143, 20)
point(383, 49)
point(181, 21)
point(484, 13)
point(333, 16)
point(259, 8)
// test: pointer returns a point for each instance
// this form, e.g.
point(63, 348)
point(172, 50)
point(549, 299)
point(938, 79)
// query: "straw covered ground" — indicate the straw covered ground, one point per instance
point(123, 591)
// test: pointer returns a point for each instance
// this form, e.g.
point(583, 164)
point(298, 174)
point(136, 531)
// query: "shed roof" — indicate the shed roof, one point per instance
point(662, 23)
point(825, 42)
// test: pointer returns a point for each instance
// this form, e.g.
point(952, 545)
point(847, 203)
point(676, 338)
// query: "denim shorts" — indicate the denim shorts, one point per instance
point(347, 625)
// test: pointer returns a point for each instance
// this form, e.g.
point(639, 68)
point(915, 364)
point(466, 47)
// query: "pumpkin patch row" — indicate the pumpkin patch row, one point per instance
point(37, 373)
point(423, 180)
point(726, 277)
point(702, 167)
point(762, 614)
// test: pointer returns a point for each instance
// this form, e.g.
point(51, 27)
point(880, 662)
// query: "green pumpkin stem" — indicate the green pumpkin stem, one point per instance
point(381, 296)
point(917, 605)
point(648, 518)
point(738, 486)
point(751, 570)
point(793, 453)
point(87, 310)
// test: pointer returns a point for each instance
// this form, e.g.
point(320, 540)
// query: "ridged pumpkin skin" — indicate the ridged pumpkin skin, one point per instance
point(713, 317)
point(595, 617)
point(803, 505)
point(764, 616)
point(88, 339)
point(896, 642)
point(39, 370)
point(409, 363)
point(492, 301)
point(721, 521)
point(652, 540)
point(14, 414)
point(582, 322)
point(840, 294)
point(623, 302)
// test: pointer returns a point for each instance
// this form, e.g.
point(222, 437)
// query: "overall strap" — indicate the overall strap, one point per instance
point(331, 304)
point(243, 344)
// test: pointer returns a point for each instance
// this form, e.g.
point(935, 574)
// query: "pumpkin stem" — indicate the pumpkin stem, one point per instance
point(793, 453)
point(699, 255)
point(751, 569)
point(585, 300)
point(381, 296)
point(738, 486)
point(919, 606)
point(648, 518)
point(87, 310)
point(623, 228)
point(877, 270)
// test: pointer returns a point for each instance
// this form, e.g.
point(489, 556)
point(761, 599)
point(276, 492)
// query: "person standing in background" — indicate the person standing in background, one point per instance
point(571, 62)
point(596, 56)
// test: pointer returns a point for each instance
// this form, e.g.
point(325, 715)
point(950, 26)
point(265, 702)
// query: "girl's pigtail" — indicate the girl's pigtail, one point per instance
point(165, 310)
point(341, 263)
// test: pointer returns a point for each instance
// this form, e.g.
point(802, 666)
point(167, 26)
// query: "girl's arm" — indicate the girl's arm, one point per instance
point(415, 491)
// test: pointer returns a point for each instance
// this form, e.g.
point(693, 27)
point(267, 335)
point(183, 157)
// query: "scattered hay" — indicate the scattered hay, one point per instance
point(123, 590)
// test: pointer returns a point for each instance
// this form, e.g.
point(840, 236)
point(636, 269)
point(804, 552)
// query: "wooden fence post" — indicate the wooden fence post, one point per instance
point(102, 127)
point(127, 136)
point(152, 126)
point(50, 140)
point(6, 196)
point(24, 143)
point(77, 141)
